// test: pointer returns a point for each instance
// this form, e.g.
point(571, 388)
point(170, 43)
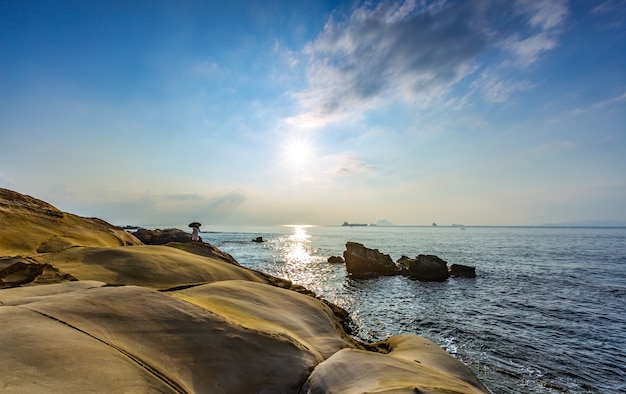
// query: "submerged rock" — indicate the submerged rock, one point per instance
point(362, 262)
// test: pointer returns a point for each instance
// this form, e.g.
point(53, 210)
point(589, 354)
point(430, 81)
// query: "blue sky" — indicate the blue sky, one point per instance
point(315, 112)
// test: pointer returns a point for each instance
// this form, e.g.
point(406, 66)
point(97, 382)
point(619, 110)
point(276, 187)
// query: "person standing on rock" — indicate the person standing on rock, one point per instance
point(196, 230)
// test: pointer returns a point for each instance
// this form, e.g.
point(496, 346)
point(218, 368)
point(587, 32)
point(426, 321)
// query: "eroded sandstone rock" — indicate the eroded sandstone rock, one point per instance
point(29, 225)
point(411, 364)
point(213, 326)
point(18, 271)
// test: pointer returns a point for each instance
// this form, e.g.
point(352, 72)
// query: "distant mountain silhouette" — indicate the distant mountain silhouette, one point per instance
point(591, 223)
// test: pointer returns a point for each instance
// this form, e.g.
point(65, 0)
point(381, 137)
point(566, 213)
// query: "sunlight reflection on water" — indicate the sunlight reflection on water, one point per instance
point(298, 247)
point(295, 257)
point(547, 301)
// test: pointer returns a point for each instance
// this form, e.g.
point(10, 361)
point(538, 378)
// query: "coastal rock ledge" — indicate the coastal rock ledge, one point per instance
point(87, 307)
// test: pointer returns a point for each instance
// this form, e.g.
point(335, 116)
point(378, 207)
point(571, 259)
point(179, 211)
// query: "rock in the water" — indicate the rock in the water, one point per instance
point(335, 259)
point(160, 237)
point(427, 267)
point(362, 262)
point(462, 270)
point(404, 262)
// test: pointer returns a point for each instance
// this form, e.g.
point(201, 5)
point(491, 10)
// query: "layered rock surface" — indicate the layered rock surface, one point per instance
point(86, 307)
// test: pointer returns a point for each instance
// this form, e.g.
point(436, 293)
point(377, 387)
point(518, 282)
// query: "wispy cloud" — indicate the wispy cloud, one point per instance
point(527, 50)
point(156, 209)
point(207, 68)
point(544, 14)
point(612, 12)
point(349, 164)
point(413, 53)
point(545, 18)
point(553, 147)
point(600, 105)
point(8, 182)
point(609, 102)
point(497, 90)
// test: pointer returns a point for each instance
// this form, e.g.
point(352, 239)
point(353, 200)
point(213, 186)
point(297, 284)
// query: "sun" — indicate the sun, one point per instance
point(298, 152)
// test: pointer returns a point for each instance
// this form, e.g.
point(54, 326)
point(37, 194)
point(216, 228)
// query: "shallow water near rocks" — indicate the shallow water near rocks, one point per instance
point(546, 313)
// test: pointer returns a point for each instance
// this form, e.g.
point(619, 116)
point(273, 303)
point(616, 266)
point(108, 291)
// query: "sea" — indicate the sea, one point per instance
point(545, 314)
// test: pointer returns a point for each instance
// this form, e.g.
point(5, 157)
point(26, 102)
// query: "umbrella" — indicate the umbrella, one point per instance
point(194, 224)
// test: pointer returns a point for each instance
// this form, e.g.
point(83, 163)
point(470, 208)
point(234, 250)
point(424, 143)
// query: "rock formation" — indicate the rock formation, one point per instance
point(335, 260)
point(362, 262)
point(416, 365)
point(29, 225)
point(161, 237)
point(462, 271)
point(427, 267)
point(99, 315)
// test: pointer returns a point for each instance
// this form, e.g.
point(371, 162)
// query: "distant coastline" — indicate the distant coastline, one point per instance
point(589, 223)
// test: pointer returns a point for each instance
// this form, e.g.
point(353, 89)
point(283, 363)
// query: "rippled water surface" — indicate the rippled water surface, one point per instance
point(546, 314)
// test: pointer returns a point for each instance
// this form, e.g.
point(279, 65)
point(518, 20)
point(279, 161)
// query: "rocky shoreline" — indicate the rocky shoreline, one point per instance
point(89, 307)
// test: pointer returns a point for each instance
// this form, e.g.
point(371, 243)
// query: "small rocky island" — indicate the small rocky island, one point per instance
point(362, 263)
point(89, 307)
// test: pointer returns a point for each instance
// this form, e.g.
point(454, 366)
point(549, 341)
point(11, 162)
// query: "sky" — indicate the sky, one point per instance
point(317, 112)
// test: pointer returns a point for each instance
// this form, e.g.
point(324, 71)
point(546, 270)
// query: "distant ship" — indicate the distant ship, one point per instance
point(434, 224)
point(354, 224)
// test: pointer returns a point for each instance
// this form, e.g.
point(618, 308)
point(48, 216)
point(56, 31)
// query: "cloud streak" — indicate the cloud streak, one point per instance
point(413, 53)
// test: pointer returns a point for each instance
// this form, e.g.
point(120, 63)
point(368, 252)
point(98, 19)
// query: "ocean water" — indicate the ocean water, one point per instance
point(546, 313)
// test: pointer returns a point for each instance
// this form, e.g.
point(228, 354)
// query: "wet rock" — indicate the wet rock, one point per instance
point(462, 271)
point(362, 262)
point(335, 259)
point(427, 267)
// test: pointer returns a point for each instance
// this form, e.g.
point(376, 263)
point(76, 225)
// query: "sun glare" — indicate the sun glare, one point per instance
point(298, 153)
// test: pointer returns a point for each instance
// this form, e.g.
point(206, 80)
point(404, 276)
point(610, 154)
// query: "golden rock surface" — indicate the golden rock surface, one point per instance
point(85, 307)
